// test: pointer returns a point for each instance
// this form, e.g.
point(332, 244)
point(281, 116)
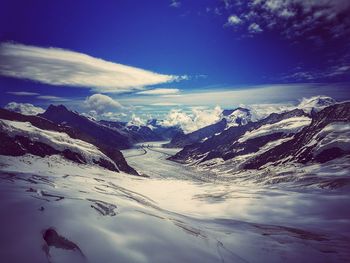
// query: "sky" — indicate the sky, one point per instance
point(142, 59)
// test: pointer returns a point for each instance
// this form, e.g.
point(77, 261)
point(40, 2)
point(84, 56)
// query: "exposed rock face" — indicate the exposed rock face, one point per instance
point(101, 134)
point(226, 145)
point(180, 140)
point(134, 133)
point(230, 118)
point(20, 145)
point(301, 147)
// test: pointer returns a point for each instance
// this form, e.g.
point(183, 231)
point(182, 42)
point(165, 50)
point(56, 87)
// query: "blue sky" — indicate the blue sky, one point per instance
point(190, 53)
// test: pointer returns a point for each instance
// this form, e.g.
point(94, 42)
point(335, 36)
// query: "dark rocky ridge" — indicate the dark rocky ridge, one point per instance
point(61, 115)
point(181, 140)
point(226, 145)
point(134, 133)
point(14, 146)
point(297, 148)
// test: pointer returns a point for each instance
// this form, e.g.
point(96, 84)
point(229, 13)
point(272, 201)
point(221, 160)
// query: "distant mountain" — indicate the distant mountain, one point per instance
point(290, 137)
point(230, 118)
point(36, 135)
point(326, 138)
point(101, 134)
point(316, 103)
point(231, 142)
point(142, 133)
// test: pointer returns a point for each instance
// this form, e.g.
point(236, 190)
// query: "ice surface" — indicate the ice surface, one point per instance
point(177, 214)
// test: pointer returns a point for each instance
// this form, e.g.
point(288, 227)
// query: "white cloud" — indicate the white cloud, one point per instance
point(136, 121)
point(230, 97)
point(254, 28)
point(196, 119)
point(294, 18)
point(159, 92)
point(24, 108)
point(52, 98)
point(22, 93)
point(57, 66)
point(164, 104)
point(175, 4)
point(101, 104)
point(233, 20)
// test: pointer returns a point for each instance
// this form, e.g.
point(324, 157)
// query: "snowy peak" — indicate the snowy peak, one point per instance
point(316, 103)
point(236, 117)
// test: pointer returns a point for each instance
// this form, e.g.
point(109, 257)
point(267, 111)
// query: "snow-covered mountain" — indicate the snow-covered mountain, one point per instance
point(36, 135)
point(229, 118)
point(61, 115)
point(316, 103)
point(281, 138)
point(139, 132)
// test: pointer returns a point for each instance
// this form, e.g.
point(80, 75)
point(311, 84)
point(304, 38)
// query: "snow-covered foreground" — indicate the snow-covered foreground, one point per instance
point(54, 210)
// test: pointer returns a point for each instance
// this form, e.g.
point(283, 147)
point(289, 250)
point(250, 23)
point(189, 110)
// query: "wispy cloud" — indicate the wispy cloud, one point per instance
point(234, 96)
point(175, 4)
point(159, 92)
point(57, 66)
point(254, 28)
point(165, 104)
point(293, 18)
point(52, 98)
point(23, 93)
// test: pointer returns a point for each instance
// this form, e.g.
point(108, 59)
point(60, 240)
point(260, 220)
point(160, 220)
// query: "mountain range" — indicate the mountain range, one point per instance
point(315, 131)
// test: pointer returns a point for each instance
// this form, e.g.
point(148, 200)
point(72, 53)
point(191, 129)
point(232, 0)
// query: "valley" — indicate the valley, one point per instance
point(174, 214)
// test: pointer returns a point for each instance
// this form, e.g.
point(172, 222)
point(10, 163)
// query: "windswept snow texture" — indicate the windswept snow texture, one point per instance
point(333, 135)
point(178, 214)
point(58, 140)
point(287, 126)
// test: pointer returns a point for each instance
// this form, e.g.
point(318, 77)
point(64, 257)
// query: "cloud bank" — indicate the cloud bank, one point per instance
point(57, 66)
point(24, 108)
point(194, 120)
point(22, 93)
point(294, 18)
point(159, 92)
point(100, 104)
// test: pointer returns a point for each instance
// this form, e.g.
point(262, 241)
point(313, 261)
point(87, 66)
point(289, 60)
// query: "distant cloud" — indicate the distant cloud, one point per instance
point(230, 97)
point(340, 71)
point(293, 18)
point(52, 98)
point(101, 104)
point(57, 66)
point(196, 119)
point(136, 121)
point(22, 93)
point(159, 92)
point(165, 104)
point(233, 20)
point(254, 28)
point(24, 108)
point(175, 4)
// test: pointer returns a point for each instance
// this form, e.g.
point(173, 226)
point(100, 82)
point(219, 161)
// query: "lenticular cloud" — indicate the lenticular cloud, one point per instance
point(57, 66)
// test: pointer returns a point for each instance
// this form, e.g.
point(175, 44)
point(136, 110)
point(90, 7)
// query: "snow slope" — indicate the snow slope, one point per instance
point(100, 217)
point(287, 126)
point(57, 140)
